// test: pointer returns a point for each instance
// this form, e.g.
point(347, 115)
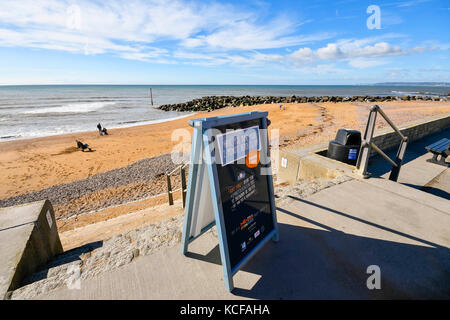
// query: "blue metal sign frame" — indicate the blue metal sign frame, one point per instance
point(201, 148)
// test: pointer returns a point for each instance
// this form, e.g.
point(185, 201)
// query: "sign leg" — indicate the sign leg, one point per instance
point(275, 237)
point(196, 154)
point(229, 285)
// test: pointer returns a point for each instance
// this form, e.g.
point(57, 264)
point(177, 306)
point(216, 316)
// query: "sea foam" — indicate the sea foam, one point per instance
point(72, 108)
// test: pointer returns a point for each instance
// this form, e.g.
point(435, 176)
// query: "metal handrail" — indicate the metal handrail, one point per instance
point(363, 158)
point(174, 170)
point(384, 155)
point(380, 111)
point(182, 169)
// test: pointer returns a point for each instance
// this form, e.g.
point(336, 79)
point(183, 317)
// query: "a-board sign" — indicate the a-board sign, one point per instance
point(230, 185)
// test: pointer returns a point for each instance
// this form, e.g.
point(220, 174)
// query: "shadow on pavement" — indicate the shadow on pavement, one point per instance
point(325, 263)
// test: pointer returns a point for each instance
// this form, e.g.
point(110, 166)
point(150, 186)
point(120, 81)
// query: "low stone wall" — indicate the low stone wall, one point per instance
point(389, 139)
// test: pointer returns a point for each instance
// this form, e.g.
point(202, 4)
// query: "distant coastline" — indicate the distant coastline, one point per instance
point(417, 84)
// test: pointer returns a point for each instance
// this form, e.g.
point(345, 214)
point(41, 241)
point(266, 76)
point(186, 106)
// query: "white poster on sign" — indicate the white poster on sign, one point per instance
point(236, 144)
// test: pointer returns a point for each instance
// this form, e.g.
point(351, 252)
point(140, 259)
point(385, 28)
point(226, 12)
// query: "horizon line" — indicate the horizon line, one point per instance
point(442, 83)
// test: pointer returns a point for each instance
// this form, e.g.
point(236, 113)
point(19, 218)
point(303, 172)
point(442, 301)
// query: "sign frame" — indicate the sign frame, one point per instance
point(203, 162)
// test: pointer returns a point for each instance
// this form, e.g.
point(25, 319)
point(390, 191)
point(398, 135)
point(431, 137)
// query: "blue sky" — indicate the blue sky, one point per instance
point(223, 42)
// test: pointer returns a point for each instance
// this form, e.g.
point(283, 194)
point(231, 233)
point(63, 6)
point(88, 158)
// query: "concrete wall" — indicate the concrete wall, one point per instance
point(289, 166)
point(28, 239)
point(308, 164)
point(388, 139)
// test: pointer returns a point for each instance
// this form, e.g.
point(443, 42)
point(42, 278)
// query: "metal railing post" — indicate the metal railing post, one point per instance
point(169, 190)
point(183, 184)
point(398, 160)
point(182, 170)
point(366, 147)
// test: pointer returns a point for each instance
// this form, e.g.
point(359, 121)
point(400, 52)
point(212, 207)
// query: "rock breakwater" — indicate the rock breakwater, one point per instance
point(210, 103)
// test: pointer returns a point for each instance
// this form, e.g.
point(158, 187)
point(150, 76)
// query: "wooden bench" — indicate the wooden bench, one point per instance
point(440, 148)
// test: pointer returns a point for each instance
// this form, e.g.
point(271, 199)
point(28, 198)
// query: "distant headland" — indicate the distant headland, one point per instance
point(417, 84)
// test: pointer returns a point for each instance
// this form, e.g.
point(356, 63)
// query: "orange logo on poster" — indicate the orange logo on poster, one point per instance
point(252, 159)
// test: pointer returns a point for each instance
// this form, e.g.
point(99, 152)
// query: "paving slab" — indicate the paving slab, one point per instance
point(440, 185)
point(415, 194)
point(416, 171)
point(327, 243)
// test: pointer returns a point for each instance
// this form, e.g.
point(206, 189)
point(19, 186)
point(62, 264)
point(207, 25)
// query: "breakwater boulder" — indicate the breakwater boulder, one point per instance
point(210, 103)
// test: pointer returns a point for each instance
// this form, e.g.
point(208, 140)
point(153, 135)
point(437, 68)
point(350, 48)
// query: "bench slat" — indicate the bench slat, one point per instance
point(439, 146)
point(440, 150)
point(438, 143)
point(442, 145)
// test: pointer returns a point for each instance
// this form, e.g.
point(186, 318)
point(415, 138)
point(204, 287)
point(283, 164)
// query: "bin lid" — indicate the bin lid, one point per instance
point(348, 137)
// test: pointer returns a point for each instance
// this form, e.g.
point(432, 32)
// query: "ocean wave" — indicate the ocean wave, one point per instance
point(72, 108)
point(126, 124)
point(415, 93)
point(64, 102)
point(35, 132)
point(404, 92)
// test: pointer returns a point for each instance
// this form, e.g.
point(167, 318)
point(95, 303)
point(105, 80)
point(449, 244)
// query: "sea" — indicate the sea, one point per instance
point(37, 111)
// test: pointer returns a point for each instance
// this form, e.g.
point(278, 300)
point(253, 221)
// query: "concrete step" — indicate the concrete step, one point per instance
point(106, 229)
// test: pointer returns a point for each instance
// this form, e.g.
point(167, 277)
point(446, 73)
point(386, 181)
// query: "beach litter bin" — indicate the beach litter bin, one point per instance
point(345, 147)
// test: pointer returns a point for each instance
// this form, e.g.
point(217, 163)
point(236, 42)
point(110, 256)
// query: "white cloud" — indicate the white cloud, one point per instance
point(246, 35)
point(304, 55)
point(434, 69)
point(361, 53)
point(213, 59)
point(133, 20)
point(201, 58)
point(181, 31)
point(330, 52)
point(380, 49)
point(325, 69)
point(362, 63)
point(411, 3)
point(132, 29)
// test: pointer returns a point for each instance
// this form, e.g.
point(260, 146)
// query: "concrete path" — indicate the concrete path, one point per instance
point(416, 171)
point(440, 185)
point(327, 242)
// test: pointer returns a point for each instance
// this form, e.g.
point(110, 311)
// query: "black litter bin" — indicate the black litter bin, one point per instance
point(345, 147)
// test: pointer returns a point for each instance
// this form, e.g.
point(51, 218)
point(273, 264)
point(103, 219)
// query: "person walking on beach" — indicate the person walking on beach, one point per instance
point(99, 127)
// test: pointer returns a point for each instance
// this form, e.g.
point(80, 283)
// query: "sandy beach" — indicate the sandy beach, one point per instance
point(81, 182)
